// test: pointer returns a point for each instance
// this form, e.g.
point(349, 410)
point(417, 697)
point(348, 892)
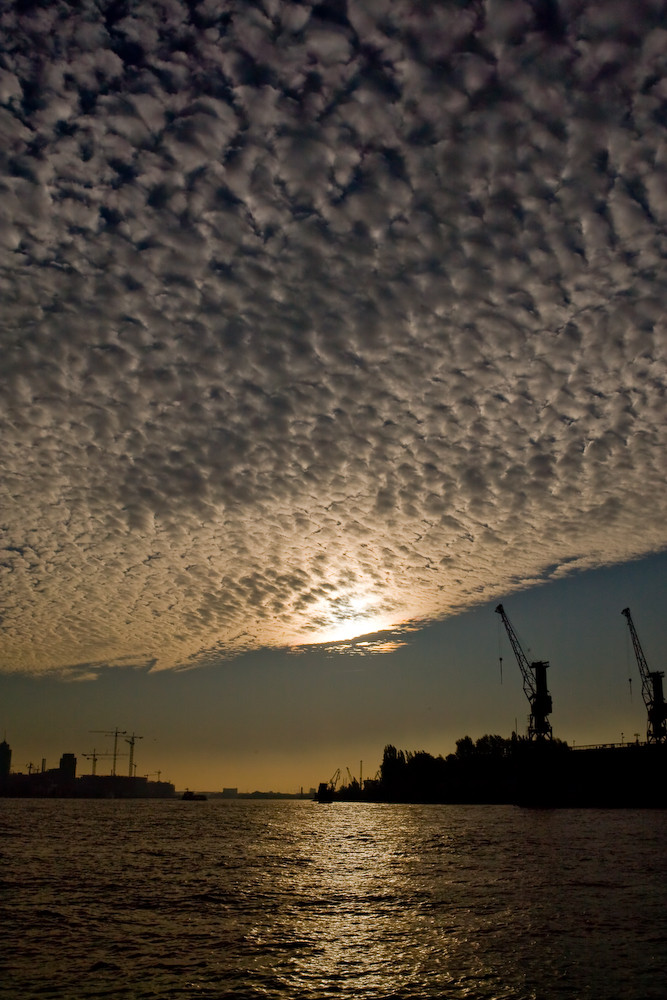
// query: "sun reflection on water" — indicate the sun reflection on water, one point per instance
point(272, 900)
point(355, 909)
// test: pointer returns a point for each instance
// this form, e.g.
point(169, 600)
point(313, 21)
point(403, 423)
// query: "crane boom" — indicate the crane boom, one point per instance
point(534, 684)
point(652, 693)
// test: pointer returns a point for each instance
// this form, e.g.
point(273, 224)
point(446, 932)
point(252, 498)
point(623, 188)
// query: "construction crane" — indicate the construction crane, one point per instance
point(534, 685)
point(652, 693)
point(95, 756)
point(131, 743)
point(115, 733)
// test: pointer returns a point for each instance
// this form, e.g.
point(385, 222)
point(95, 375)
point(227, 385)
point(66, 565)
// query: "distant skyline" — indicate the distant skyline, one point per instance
point(323, 321)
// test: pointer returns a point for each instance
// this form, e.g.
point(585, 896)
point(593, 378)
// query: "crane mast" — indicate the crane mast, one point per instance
point(131, 743)
point(652, 693)
point(534, 684)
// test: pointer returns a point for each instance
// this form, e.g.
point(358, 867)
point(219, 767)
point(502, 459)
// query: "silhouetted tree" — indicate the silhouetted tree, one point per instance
point(482, 770)
point(392, 771)
point(465, 747)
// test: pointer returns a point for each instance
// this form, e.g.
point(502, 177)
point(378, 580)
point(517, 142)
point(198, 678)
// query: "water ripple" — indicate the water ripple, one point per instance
point(276, 900)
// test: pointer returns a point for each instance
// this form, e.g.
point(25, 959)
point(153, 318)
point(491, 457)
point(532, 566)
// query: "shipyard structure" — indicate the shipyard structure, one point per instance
point(545, 773)
point(531, 769)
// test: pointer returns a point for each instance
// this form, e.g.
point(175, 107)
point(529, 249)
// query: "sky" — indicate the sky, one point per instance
point(324, 328)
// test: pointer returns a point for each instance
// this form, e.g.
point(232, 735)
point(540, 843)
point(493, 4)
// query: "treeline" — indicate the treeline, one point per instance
point(483, 770)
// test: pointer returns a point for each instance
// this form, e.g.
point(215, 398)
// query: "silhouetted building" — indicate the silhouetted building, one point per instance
point(62, 782)
point(68, 766)
point(5, 758)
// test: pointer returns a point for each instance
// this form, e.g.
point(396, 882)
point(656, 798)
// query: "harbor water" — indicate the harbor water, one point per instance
point(254, 899)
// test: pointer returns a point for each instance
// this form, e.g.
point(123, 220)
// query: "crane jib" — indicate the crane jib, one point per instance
point(652, 692)
point(534, 684)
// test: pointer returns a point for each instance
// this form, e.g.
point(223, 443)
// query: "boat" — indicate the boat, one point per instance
point(189, 796)
point(325, 792)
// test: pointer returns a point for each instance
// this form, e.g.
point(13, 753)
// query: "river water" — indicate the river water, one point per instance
point(291, 899)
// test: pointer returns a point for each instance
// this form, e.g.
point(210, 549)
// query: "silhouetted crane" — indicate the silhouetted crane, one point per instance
point(534, 685)
point(95, 756)
point(326, 789)
point(131, 742)
point(652, 693)
point(115, 733)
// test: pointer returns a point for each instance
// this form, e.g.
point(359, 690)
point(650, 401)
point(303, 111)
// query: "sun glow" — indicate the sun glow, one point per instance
point(344, 618)
point(353, 628)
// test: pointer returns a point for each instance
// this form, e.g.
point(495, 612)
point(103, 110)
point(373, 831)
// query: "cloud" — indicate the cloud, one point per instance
point(321, 318)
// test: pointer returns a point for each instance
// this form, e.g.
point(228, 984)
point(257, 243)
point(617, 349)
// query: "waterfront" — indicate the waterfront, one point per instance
point(281, 899)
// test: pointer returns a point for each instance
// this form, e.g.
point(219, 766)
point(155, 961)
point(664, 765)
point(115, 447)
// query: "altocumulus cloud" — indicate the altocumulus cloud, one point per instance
point(320, 318)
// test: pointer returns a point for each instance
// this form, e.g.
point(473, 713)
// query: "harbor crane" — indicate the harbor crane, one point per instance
point(534, 685)
point(326, 789)
point(652, 693)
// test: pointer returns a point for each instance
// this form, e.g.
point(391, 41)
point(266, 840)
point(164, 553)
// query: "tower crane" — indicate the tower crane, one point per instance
point(95, 756)
point(652, 693)
point(534, 685)
point(131, 743)
point(115, 733)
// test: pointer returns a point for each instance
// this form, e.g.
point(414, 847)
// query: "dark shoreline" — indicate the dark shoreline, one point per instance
point(527, 773)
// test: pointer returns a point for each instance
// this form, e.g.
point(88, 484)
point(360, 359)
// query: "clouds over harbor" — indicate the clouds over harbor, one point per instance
point(319, 319)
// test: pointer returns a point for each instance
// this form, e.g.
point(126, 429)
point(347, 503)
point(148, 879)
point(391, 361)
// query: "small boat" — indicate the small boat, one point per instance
point(325, 792)
point(189, 796)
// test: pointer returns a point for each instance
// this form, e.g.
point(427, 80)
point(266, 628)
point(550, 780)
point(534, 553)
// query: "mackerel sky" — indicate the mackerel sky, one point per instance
point(321, 320)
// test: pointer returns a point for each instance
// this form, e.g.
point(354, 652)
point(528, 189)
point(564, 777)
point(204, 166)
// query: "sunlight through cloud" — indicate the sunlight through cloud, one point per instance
point(317, 323)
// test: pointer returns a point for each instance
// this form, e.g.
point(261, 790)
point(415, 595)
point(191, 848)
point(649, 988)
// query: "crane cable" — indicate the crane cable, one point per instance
point(500, 649)
point(627, 658)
